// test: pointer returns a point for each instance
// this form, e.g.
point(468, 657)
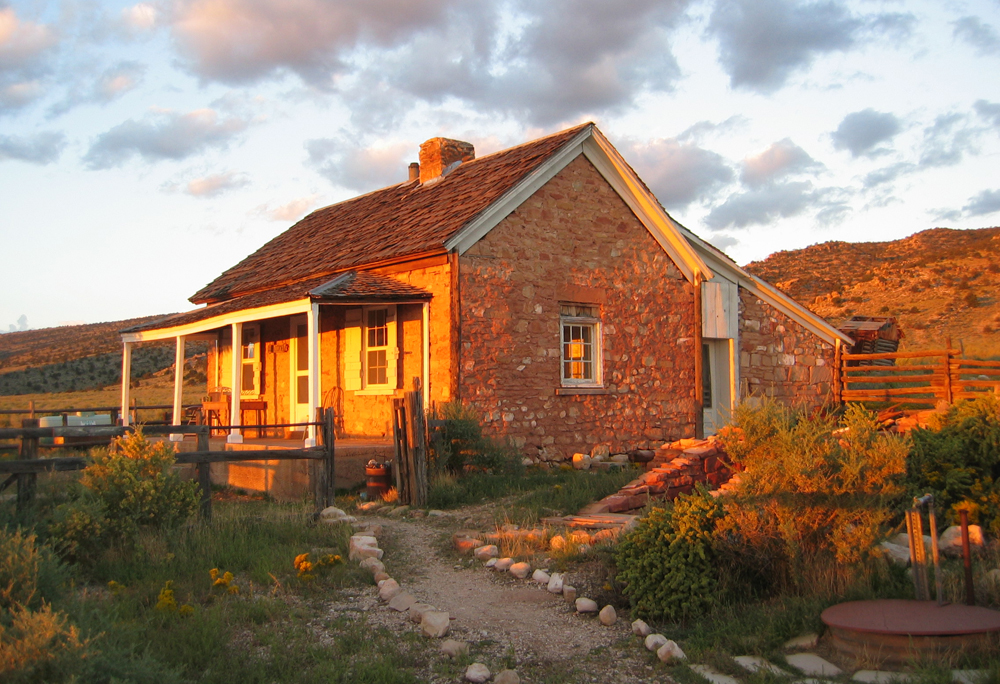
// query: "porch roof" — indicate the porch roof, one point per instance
point(345, 288)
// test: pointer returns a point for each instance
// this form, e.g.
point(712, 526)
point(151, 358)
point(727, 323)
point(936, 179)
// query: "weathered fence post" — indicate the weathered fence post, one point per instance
point(27, 482)
point(328, 479)
point(838, 373)
point(417, 437)
point(948, 394)
point(205, 477)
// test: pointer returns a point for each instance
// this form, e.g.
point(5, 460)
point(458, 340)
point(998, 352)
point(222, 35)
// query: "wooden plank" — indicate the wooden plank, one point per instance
point(974, 371)
point(891, 379)
point(947, 383)
point(838, 373)
point(976, 363)
point(895, 370)
point(97, 431)
point(892, 392)
point(901, 355)
point(311, 453)
point(27, 482)
point(43, 465)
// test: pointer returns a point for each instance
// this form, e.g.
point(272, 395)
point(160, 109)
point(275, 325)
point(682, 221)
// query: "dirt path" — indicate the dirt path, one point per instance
point(510, 618)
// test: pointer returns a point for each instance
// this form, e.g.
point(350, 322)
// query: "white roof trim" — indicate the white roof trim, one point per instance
point(619, 175)
point(765, 291)
point(241, 316)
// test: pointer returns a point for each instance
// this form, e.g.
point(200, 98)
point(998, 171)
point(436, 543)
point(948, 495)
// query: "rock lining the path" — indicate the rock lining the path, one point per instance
point(477, 673)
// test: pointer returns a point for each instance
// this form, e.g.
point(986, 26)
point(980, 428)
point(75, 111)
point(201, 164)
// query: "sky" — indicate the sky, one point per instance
point(145, 148)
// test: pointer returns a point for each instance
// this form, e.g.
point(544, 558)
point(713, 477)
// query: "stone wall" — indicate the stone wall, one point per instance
point(779, 358)
point(575, 240)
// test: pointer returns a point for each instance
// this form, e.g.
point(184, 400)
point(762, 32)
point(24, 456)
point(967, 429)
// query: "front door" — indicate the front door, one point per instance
point(299, 362)
point(716, 384)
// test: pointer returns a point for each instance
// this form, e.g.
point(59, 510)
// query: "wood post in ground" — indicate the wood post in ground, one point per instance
point(327, 472)
point(418, 440)
point(401, 451)
point(838, 373)
point(205, 478)
point(27, 482)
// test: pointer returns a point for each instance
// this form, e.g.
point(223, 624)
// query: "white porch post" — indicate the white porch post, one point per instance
point(235, 437)
point(312, 324)
point(126, 380)
point(178, 388)
point(426, 385)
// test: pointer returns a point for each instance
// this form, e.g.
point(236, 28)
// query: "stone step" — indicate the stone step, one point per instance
point(713, 675)
point(812, 665)
point(758, 664)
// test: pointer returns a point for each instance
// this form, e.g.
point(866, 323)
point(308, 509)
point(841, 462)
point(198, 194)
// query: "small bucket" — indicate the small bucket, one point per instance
point(377, 481)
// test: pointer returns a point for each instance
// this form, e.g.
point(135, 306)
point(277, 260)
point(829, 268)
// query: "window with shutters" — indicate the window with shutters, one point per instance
point(372, 354)
point(581, 345)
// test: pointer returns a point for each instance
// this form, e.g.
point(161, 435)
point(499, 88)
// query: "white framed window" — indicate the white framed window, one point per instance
point(580, 328)
point(372, 352)
point(250, 363)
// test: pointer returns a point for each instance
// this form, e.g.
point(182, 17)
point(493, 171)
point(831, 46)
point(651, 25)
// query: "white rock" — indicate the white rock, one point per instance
point(586, 605)
point(581, 461)
point(507, 677)
point(608, 616)
point(670, 651)
point(388, 589)
point(491, 563)
point(620, 458)
point(381, 575)
point(640, 628)
point(372, 564)
point(503, 564)
point(478, 673)
point(803, 641)
point(435, 623)
point(713, 675)
point(486, 552)
point(811, 664)
point(434, 513)
point(541, 577)
point(402, 602)
point(758, 664)
point(880, 677)
point(362, 552)
point(453, 648)
point(520, 570)
point(555, 584)
point(896, 553)
point(399, 511)
point(950, 541)
point(417, 611)
point(569, 593)
point(969, 676)
point(332, 514)
point(600, 452)
point(903, 539)
point(653, 642)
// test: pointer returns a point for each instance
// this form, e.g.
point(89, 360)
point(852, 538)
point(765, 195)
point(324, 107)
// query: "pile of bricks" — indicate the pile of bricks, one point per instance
point(674, 469)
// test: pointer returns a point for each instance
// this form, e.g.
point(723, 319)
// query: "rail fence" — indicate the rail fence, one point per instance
point(928, 378)
point(24, 470)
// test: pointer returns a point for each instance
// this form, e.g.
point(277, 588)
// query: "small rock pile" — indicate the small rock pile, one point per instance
point(949, 544)
point(673, 469)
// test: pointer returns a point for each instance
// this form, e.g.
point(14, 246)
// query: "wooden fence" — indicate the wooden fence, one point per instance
point(928, 378)
point(24, 471)
point(114, 411)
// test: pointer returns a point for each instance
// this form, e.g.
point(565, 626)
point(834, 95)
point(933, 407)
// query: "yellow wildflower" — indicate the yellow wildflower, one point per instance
point(233, 589)
point(165, 601)
point(115, 587)
point(185, 610)
point(213, 573)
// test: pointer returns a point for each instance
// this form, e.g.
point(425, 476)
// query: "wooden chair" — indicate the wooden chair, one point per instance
point(215, 407)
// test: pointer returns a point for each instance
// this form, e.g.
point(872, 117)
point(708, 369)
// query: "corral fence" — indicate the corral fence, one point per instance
point(926, 378)
point(24, 470)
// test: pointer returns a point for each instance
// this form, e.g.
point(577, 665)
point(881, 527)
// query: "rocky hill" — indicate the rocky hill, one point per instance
point(939, 283)
point(83, 357)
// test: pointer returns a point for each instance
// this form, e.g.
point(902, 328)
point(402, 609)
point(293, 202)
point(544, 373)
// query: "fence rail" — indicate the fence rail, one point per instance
point(944, 377)
point(24, 471)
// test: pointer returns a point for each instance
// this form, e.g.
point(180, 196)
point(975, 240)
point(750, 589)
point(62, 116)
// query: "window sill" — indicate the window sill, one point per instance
point(570, 391)
point(380, 391)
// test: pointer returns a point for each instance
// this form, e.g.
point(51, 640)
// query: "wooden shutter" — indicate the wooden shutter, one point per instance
point(392, 355)
point(352, 349)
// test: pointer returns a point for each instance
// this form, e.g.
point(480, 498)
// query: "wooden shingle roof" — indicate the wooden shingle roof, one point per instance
point(391, 223)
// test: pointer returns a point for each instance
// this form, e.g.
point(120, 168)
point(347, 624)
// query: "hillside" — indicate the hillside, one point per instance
point(940, 283)
point(76, 358)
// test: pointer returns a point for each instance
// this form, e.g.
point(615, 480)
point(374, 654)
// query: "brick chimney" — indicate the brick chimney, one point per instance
point(438, 153)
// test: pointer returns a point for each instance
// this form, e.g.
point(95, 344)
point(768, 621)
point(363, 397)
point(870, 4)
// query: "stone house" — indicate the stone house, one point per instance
point(544, 286)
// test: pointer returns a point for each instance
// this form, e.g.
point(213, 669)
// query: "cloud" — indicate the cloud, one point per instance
point(678, 173)
point(118, 80)
point(23, 48)
point(887, 174)
point(162, 135)
point(947, 140)
point(986, 202)
point(140, 17)
point(240, 41)
point(216, 184)
point(360, 168)
point(723, 241)
point(762, 42)
point(860, 132)
point(777, 200)
point(981, 36)
point(989, 111)
point(43, 148)
point(291, 211)
point(780, 159)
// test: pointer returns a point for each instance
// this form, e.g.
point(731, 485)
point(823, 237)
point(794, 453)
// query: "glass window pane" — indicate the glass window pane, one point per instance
point(302, 387)
point(248, 384)
point(377, 367)
point(302, 347)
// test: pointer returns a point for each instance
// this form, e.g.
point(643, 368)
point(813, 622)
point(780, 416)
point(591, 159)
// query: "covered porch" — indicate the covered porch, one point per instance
point(348, 342)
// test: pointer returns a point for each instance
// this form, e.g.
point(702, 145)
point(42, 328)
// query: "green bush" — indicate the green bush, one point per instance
point(463, 446)
point(29, 572)
point(957, 459)
point(666, 562)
